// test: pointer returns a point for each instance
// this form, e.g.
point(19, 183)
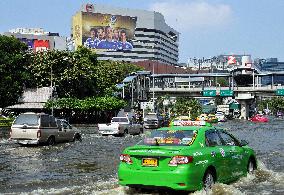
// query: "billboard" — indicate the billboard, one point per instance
point(107, 32)
point(28, 42)
point(41, 45)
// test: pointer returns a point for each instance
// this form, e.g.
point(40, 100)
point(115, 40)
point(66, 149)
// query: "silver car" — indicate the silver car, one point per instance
point(40, 128)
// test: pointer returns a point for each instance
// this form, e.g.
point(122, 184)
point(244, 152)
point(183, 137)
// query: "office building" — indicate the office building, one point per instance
point(38, 40)
point(125, 34)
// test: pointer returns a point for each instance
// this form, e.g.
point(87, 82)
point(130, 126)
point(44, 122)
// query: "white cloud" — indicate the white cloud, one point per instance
point(186, 16)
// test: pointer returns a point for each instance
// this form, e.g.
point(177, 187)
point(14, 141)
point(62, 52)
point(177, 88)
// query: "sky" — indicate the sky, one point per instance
point(207, 27)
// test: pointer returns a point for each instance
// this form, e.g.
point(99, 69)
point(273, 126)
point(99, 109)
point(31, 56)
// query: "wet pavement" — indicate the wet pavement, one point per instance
point(90, 166)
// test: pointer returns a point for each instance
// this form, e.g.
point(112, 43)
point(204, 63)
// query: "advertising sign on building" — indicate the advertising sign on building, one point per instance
point(232, 60)
point(28, 42)
point(41, 45)
point(107, 32)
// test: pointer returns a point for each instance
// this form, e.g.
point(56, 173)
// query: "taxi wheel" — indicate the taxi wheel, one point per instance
point(208, 180)
point(251, 166)
point(132, 190)
point(51, 141)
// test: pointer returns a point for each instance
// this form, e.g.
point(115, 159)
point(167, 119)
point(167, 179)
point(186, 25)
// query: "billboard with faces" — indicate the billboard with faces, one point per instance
point(107, 32)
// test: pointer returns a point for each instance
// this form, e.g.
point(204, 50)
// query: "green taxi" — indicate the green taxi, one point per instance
point(185, 158)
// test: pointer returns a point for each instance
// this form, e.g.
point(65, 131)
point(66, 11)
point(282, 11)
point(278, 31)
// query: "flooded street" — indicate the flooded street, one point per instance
point(90, 166)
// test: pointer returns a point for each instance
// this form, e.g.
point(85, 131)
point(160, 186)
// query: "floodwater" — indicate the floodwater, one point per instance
point(90, 166)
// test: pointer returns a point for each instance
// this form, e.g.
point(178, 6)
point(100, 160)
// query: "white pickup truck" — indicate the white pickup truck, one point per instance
point(120, 126)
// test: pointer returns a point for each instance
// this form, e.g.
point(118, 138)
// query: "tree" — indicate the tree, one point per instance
point(84, 85)
point(223, 82)
point(78, 74)
point(184, 106)
point(14, 75)
point(274, 104)
point(110, 73)
point(71, 72)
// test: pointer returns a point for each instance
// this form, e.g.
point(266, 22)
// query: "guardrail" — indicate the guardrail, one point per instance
point(267, 88)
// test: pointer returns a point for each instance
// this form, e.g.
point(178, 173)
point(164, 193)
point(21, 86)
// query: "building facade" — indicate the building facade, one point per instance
point(37, 39)
point(125, 34)
point(274, 70)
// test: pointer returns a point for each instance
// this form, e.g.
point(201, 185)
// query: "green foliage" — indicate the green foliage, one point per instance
point(274, 104)
point(14, 75)
point(223, 82)
point(82, 82)
point(70, 72)
point(88, 104)
point(161, 108)
point(183, 106)
point(78, 74)
point(110, 73)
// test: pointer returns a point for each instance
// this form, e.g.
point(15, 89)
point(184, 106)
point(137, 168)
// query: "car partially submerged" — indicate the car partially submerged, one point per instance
point(120, 126)
point(185, 158)
point(40, 128)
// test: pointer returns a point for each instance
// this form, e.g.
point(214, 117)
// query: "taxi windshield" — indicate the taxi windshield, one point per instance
point(168, 138)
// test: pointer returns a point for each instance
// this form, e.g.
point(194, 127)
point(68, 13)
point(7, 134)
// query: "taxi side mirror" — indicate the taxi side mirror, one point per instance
point(243, 143)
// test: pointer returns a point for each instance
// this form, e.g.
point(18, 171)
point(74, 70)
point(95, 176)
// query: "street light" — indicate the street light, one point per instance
point(153, 82)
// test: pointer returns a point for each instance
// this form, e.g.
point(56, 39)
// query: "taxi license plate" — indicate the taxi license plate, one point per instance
point(150, 162)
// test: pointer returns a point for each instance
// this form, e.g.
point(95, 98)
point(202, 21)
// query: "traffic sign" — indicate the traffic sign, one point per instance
point(280, 92)
point(209, 93)
point(226, 93)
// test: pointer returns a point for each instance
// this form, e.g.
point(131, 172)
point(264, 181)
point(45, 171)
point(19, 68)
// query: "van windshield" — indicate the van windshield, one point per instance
point(27, 119)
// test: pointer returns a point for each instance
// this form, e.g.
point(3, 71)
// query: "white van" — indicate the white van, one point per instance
point(40, 128)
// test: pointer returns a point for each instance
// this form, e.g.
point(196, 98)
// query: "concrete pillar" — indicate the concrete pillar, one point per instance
point(244, 109)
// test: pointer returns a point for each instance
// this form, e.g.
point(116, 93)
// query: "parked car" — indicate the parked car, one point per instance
point(186, 158)
point(120, 126)
point(40, 128)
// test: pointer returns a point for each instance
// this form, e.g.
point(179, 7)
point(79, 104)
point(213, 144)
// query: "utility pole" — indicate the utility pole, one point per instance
point(51, 85)
point(153, 82)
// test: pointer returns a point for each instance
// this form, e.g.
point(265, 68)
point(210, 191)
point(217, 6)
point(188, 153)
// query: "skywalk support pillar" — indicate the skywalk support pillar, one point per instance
point(245, 101)
point(244, 109)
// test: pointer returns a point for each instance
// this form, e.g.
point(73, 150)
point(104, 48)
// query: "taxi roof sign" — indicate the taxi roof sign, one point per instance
point(190, 123)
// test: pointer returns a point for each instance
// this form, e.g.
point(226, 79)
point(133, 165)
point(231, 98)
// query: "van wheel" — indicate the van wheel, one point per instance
point(208, 180)
point(125, 132)
point(51, 141)
point(77, 138)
